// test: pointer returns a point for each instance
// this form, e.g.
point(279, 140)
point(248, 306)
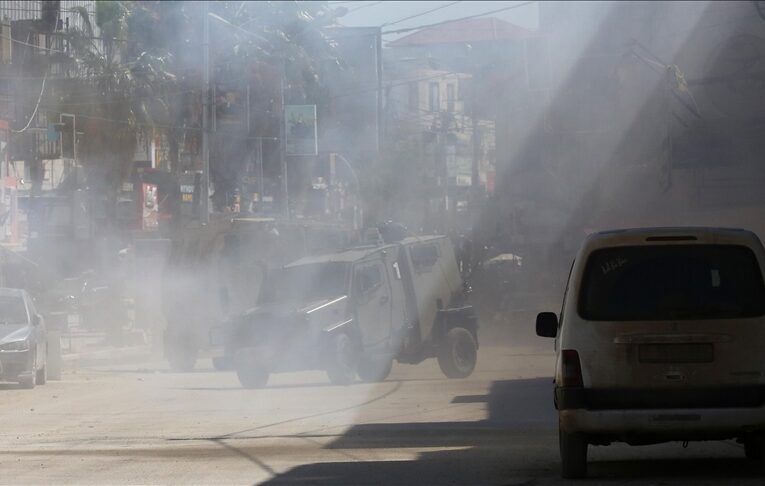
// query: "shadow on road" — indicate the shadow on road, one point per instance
point(516, 444)
point(471, 452)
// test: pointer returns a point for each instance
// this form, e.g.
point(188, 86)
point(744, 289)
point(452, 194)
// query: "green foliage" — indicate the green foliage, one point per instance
point(130, 80)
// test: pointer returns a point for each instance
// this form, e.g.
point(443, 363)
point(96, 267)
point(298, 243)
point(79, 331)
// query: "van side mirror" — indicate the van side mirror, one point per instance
point(36, 320)
point(547, 324)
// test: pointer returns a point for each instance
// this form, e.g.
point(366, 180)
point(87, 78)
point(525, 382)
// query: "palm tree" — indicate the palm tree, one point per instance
point(114, 97)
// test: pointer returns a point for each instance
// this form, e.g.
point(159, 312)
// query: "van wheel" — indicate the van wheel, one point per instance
point(573, 455)
point(753, 448)
point(374, 370)
point(341, 359)
point(458, 353)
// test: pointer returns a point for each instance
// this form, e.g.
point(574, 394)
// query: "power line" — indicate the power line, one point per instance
point(420, 14)
point(409, 29)
point(365, 6)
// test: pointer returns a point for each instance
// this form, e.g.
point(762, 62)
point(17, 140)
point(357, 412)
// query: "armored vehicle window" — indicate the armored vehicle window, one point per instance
point(663, 282)
point(306, 282)
point(424, 256)
point(368, 278)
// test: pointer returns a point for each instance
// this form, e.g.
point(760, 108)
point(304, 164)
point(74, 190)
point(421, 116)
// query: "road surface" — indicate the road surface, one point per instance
point(140, 424)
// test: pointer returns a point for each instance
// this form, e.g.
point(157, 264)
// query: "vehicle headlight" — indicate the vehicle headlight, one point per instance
point(22, 345)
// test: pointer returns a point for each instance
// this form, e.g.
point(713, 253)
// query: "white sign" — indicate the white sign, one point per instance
point(300, 121)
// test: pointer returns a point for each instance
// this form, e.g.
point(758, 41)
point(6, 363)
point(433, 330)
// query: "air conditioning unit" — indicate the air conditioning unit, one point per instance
point(5, 42)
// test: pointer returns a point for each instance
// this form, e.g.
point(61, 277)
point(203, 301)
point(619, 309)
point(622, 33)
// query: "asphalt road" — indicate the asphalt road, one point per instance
point(140, 424)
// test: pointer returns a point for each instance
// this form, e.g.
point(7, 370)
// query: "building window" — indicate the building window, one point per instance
point(414, 97)
point(450, 97)
point(434, 96)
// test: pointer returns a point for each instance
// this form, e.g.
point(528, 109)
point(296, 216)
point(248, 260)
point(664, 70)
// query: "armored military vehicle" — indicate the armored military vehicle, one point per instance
point(356, 311)
point(213, 271)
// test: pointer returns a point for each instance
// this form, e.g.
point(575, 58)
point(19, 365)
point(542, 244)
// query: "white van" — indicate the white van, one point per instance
point(661, 338)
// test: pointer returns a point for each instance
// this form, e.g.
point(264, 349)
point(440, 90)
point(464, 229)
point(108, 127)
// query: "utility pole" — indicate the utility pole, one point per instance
point(283, 142)
point(475, 139)
point(205, 189)
point(442, 164)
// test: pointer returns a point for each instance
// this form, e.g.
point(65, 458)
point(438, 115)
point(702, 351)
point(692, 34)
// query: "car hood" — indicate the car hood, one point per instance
point(287, 311)
point(14, 332)
point(283, 309)
point(319, 304)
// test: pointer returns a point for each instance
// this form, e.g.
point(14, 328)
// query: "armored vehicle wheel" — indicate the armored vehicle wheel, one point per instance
point(252, 376)
point(182, 354)
point(458, 353)
point(222, 363)
point(374, 370)
point(341, 359)
point(251, 369)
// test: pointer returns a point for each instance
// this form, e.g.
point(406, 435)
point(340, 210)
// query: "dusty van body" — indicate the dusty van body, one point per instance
point(213, 271)
point(354, 312)
point(660, 338)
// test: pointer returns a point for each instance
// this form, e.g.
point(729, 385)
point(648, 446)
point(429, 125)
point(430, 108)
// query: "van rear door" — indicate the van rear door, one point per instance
point(670, 316)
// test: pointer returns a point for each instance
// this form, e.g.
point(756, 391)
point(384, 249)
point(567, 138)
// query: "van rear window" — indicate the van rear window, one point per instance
point(672, 282)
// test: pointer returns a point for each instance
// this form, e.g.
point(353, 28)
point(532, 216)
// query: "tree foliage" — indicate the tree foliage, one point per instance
point(114, 97)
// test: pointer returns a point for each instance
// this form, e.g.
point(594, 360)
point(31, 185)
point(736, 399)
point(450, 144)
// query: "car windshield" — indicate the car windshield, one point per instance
point(12, 310)
point(662, 282)
point(304, 283)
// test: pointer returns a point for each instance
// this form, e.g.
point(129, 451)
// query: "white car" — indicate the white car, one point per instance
point(660, 338)
point(23, 340)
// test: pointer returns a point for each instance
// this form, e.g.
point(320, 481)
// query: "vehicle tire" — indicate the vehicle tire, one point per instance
point(42, 375)
point(222, 363)
point(573, 455)
point(29, 381)
point(374, 370)
point(754, 447)
point(458, 353)
point(252, 376)
point(182, 354)
point(341, 359)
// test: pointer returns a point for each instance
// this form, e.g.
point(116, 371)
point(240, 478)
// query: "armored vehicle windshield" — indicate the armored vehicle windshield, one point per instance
point(305, 283)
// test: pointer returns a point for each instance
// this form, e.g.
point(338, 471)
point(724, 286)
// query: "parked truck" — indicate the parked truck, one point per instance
point(352, 313)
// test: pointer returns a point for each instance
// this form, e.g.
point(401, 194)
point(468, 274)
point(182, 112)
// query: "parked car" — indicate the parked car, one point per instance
point(355, 312)
point(23, 346)
point(660, 339)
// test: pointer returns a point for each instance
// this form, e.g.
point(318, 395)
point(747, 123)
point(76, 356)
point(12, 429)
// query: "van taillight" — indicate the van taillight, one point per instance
point(571, 368)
